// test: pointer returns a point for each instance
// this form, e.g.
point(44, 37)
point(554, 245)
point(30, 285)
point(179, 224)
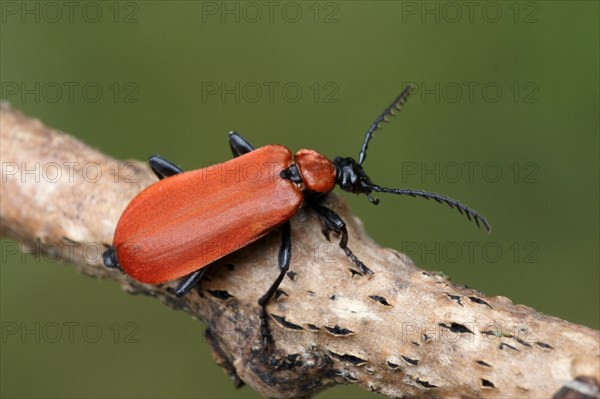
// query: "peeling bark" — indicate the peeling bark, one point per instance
point(402, 332)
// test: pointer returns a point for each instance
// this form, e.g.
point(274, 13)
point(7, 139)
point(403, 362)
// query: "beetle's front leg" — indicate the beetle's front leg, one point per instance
point(326, 230)
point(333, 222)
point(285, 256)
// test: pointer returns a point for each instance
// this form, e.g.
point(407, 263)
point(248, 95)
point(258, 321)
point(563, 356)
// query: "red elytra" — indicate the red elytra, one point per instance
point(187, 221)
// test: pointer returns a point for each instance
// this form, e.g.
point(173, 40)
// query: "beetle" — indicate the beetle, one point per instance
point(187, 220)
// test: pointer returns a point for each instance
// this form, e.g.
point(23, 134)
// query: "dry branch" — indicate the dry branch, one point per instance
point(403, 332)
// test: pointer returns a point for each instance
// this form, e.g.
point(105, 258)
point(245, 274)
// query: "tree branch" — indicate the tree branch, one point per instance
point(402, 332)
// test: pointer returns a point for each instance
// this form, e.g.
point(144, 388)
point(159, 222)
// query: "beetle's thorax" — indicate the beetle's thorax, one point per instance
point(312, 171)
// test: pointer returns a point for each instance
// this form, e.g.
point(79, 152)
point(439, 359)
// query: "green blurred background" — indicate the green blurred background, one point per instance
point(506, 109)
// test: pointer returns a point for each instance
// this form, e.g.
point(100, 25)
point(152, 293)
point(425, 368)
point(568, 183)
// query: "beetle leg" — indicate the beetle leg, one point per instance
point(110, 259)
point(188, 282)
point(285, 255)
point(163, 168)
point(239, 145)
point(326, 230)
point(333, 222)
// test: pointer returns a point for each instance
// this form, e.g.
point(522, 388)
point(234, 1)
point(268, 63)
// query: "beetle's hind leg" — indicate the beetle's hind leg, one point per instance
point(163, 168)
point(285, 255)
point(110, 259)
point(333, 222)
point(188, 282)
point(239, 145)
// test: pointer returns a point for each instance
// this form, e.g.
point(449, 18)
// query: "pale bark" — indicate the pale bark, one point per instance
point(403, 332)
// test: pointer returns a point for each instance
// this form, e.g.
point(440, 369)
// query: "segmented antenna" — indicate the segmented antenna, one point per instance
point(442, 199)
point(389, 111)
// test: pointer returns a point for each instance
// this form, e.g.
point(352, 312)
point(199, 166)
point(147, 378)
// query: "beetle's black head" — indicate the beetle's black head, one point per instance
point(351, 177)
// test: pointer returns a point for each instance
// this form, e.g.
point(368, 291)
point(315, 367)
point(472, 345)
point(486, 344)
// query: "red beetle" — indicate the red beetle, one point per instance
point(187, 220)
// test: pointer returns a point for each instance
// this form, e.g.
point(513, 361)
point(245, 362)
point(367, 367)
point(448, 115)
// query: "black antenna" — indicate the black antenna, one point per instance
point(389, 111)
point(442, 199)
